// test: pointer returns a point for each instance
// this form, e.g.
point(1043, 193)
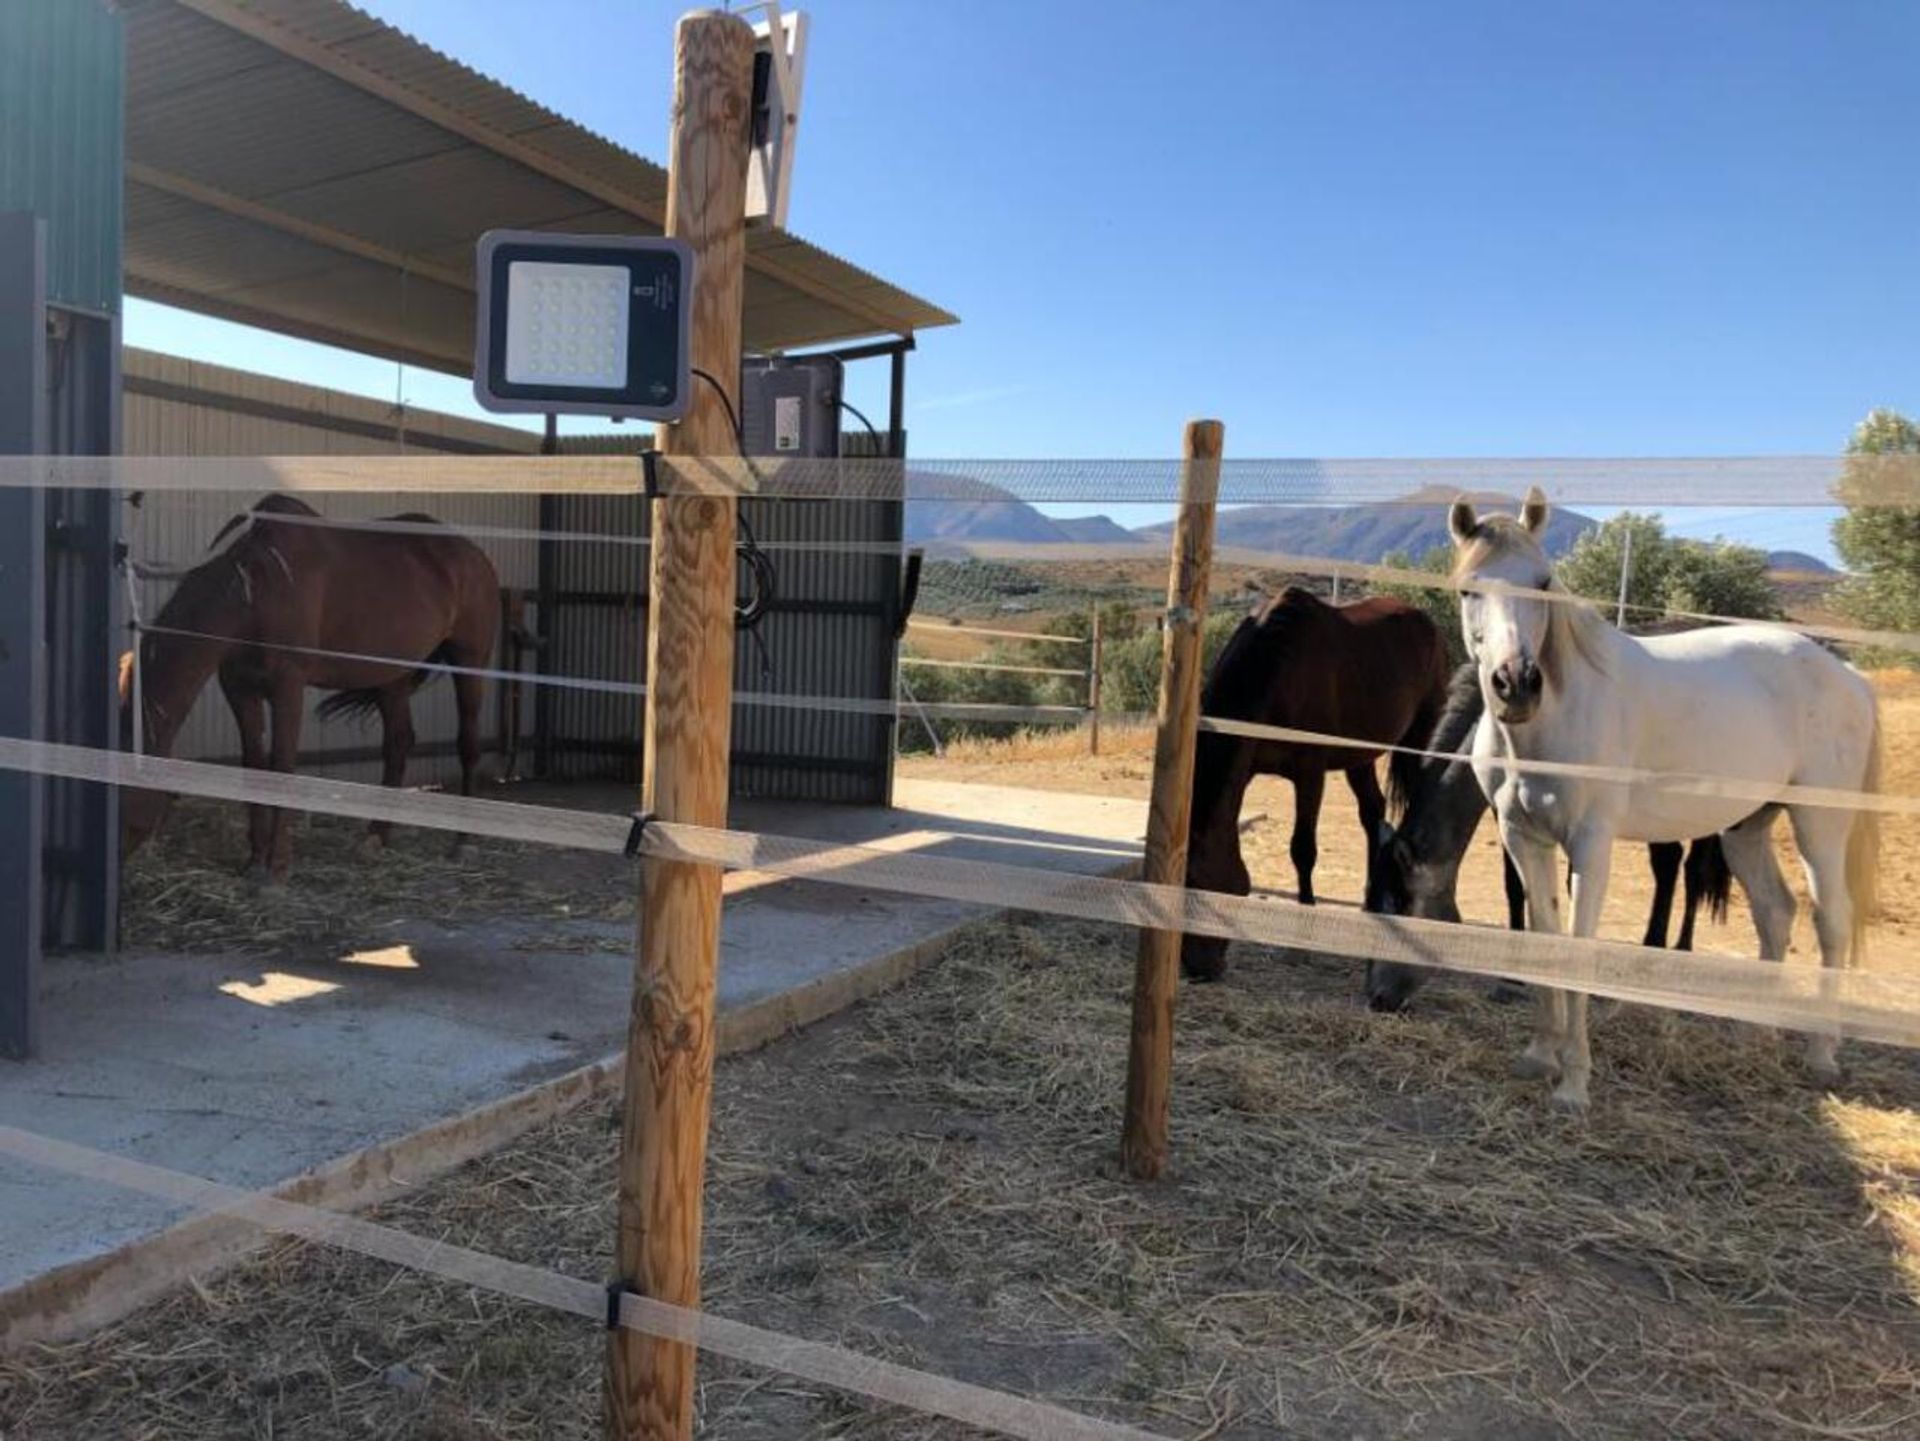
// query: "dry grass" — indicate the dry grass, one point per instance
point(186, 891)
point(1370, 1232)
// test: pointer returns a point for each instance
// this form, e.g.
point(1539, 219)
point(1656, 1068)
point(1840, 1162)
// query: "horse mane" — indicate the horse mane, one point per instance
point(1464, 707)
point(1573, 625)
point(266, 505)
point(1266, 626)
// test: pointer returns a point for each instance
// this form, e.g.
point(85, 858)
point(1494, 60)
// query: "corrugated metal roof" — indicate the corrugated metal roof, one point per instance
point(287, 159)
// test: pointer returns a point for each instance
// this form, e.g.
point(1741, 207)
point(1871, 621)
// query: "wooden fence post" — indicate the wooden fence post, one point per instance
point(670, 1032)
point(1093, 686)
point(1143, 1138)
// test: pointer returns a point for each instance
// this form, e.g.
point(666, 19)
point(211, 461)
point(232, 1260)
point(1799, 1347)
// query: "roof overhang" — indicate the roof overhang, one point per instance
point(300, 166)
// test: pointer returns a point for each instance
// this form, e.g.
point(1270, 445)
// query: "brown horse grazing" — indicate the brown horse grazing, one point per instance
point(262, 613)
point(1375, 670)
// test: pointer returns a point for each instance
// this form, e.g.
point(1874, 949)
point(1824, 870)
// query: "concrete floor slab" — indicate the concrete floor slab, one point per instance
point(251, 1071)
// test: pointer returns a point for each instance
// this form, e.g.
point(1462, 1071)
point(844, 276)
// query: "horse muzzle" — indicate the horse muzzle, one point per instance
point(1517, 687)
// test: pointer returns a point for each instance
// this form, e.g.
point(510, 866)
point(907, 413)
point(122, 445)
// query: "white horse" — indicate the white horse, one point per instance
point(1757, 703)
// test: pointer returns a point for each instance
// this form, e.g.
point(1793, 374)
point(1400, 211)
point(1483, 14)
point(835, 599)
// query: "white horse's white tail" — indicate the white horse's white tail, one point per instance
point(1863, 851)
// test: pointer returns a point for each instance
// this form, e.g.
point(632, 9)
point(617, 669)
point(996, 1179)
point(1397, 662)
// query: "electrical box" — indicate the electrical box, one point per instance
point(790, 406)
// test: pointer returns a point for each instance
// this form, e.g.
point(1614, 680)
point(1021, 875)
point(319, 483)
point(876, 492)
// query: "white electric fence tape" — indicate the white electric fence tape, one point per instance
point(849, 705)
point(936, 626)
point(1739, 788)
point(1789, 480)
point(814, 1361)
point(986, 665)
point(1760, 793)
point(1868, 1005)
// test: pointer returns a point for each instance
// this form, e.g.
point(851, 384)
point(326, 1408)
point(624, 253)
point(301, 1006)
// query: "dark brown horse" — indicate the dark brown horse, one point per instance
point(1375, 670)
point(264, 614)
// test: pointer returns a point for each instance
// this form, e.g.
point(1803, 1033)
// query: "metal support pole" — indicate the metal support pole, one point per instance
point(897, 406)
point(23, 622)
point(1626, 574)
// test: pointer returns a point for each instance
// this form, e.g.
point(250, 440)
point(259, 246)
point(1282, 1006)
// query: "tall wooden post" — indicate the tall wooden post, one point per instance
point(1143, 1139)
point(1093, 685)
point(670, 1033)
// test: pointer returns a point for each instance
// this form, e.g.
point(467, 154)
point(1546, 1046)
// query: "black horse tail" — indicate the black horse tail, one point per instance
point(1404, 766)
point(365, 702)
point(1708, 875)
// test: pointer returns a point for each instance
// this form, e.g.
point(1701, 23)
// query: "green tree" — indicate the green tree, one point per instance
point(1666, 573)
point(1440, 602)
point(1880, 544)
point(1592, 567)
point(1719, 579)
point(1130, 683)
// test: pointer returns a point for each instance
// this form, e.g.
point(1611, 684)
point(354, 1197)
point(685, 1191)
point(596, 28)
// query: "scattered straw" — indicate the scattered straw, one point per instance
point(1370, 1232)
point(187, 891)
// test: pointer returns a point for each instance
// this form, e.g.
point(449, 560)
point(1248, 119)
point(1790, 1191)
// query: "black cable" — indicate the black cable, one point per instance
point(762, 579)
point(733, 416)
point(872, 434)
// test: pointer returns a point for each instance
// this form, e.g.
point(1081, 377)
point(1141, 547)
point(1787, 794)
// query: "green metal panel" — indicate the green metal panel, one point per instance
point(62, 134)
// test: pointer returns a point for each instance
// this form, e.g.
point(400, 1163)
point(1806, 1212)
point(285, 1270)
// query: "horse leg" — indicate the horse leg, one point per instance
point(396, 744)
point(1749, 851)
point(1364, 782)
point(1504, 992)
point(1665, 858)
point(287, 701)
point(1535, 861)
point(1590, 856)
point(1696, 885)
point(1308, 788)
point(1821, 833)
point(468, 693)
point(250, 715)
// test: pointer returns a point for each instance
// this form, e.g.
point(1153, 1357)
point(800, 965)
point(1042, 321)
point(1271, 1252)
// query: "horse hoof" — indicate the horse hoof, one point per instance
point(1823, 1066)
point(255, 874)
point(1529, 1067)
point(1570, 1102)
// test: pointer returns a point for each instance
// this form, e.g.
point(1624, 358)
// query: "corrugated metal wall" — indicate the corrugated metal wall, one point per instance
point(61, 132)
point(831, 633)
point(180, 407)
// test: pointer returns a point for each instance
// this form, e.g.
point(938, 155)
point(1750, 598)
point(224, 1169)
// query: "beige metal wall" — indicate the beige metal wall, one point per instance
point(180, 407)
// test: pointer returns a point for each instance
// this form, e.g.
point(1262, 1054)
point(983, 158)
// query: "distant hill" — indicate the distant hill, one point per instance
point(973, 510)
point(1365, 533)
point(1798, 561)
point(1096, 530)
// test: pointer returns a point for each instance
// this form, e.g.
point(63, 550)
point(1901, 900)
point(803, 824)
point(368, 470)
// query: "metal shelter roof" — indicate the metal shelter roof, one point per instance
point(301, 166)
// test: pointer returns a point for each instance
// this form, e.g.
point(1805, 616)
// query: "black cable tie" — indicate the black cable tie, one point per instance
point(638, 833)
point(650, 473)
point(616, 1290)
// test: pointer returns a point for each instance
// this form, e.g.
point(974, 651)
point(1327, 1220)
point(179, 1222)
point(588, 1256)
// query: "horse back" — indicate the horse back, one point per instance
point(1365, 670)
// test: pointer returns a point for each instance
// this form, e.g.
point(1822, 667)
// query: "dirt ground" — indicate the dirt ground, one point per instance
point(1059, 761)
point(1369, 1232)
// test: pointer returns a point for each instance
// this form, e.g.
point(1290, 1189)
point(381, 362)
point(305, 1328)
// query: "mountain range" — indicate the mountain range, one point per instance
point(974, 511)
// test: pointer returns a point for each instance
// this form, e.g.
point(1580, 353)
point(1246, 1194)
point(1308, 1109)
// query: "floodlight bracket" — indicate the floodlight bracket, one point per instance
point(779, 73)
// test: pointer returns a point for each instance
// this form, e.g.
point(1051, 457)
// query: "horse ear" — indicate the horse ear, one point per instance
point(1533, 511)
point(1462, 524)
point(126, 676)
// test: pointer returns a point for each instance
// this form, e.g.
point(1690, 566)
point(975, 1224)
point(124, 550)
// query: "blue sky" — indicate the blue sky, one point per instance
point(1345, 228)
